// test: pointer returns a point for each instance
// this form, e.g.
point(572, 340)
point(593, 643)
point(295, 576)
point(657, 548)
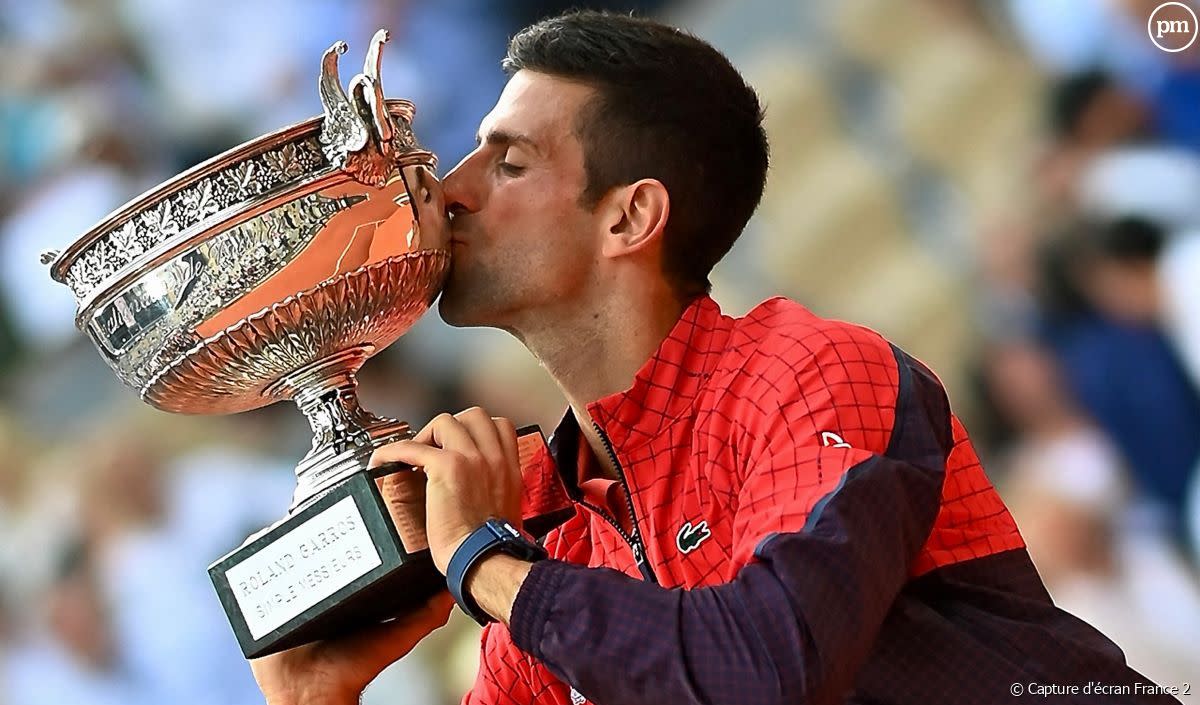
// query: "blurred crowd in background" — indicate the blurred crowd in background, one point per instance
point(1009, 190)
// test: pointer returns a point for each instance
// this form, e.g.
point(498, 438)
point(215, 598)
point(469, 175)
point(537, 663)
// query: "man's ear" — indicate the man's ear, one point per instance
point(635, 217)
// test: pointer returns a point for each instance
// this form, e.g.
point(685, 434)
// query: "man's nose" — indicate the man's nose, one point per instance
point(460, 194)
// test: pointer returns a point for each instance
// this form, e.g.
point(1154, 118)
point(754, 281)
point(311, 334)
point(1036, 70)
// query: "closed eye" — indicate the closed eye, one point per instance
point(509, 168)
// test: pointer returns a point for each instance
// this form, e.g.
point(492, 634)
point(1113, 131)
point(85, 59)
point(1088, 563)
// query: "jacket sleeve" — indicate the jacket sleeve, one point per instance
point(832, 530)
point(505, 676)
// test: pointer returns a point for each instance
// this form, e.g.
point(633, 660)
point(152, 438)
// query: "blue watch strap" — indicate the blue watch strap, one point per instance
point(493, 535)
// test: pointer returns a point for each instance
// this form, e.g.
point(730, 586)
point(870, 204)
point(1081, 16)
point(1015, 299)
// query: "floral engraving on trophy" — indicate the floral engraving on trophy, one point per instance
point(126, 243)
point(159, 220)
point(86, 271)
point(243, 178)
point(228, 189)
point(198, 202)
point(136, 326)
point(285, 161)
point(102, 255)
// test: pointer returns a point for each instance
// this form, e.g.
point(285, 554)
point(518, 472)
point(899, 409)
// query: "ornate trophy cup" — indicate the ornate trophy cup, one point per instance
point(272, 272)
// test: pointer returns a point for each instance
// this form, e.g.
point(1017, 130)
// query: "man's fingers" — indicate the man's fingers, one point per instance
point(426, 458)
point(412, 452)
point(446, 431)
point(484, 434)
point(472, 433)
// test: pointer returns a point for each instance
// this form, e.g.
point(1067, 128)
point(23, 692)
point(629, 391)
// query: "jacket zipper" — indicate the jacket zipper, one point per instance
point(635, 539)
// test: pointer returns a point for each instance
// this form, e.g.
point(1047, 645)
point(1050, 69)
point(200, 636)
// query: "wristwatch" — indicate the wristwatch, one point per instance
point(494, 535)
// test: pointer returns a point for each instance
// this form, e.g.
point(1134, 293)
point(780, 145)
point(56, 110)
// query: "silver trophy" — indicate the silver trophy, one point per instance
point(272, 272)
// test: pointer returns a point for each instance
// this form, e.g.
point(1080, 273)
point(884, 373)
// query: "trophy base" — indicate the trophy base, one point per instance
point(338, 564)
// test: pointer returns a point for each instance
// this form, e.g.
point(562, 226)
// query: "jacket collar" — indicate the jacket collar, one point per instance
point(666, 386)
point(664, 389)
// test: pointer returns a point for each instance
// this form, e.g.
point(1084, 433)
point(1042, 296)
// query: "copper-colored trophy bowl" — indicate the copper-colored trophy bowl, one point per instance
point(272, 271)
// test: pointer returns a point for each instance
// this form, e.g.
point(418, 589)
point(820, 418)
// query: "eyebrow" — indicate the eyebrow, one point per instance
point(503, 138)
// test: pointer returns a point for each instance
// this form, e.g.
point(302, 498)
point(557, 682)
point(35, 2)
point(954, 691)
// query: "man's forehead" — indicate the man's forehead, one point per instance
point(537, 106)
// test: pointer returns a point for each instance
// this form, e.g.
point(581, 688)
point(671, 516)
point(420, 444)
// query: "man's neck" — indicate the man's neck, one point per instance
point(595, 348)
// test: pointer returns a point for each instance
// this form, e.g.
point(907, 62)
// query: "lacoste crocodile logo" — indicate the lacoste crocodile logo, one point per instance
point(690, 537)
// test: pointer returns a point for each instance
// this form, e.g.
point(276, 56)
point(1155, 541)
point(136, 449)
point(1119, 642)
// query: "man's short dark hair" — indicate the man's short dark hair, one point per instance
point(669, 106)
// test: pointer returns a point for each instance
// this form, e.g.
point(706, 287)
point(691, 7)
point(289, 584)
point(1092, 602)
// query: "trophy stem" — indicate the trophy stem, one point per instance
point(344, 434)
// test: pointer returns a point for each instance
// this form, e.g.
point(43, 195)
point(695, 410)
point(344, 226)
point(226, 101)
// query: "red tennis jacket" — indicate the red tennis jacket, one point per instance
point(809, 524)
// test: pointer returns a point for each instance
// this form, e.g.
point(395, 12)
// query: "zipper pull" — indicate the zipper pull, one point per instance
point(639, 557)
point(634, 537)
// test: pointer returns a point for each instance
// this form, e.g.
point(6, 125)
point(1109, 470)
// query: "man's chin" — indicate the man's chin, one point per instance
point(457, 311)
point(449, 313)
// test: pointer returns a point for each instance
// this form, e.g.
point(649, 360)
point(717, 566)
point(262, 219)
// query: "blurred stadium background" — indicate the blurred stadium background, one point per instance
point(1008, 189)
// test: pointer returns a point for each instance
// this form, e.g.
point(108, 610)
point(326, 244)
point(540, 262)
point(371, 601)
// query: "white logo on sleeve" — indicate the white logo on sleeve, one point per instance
point(690, 537)
point(829, 439)
point(577, 698)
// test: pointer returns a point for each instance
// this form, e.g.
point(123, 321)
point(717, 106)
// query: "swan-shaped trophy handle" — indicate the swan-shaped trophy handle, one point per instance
point(358, 135)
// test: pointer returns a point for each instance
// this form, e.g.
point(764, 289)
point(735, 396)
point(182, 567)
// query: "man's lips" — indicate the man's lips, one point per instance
point(457, 233)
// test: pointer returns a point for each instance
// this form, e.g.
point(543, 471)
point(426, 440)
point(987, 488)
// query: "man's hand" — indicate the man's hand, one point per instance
point(336, 671)
point(473, 469)
point(473, 473)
